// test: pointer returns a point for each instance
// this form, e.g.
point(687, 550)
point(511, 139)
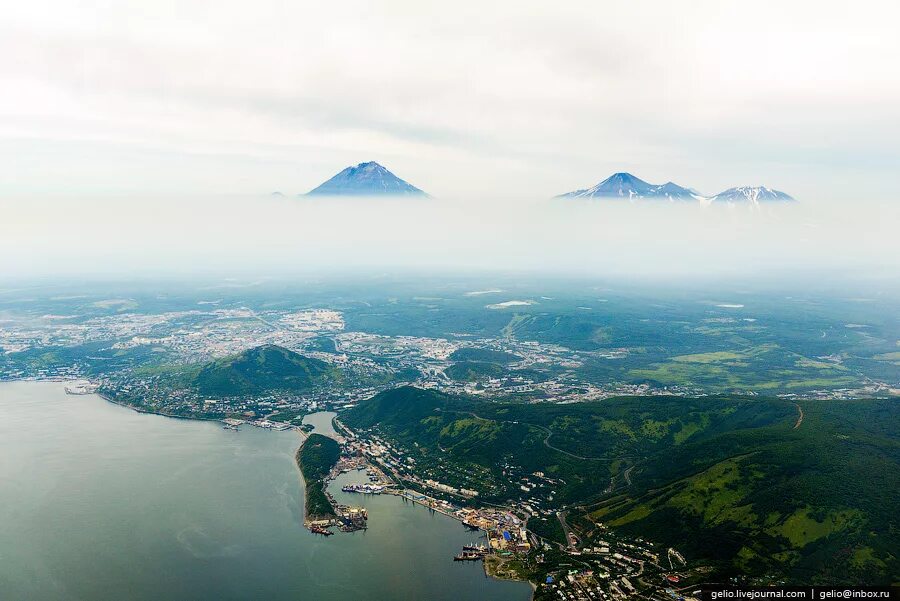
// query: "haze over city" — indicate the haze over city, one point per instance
point(240, 235)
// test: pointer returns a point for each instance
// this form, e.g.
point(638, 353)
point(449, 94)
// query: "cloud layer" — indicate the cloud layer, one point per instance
point(468, 99)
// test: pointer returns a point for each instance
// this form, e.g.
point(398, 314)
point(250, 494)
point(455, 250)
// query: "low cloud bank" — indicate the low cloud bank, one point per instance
point(285, 234)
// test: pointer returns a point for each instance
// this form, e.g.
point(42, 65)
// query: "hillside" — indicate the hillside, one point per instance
point(315, 458)
point(478, 437)
point(262, 370)
point(471, 371)
point(396, 408)
point(779, 501)
point(729, 481)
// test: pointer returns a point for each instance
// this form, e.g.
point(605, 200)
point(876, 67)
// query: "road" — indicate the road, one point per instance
point(264, 321)
point(627, 475)
point(546, 438)
point(561, 516)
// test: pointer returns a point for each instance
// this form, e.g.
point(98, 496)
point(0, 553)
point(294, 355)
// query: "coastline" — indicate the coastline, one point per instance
point(148, 412)
point(316, 458)
point(315, 523)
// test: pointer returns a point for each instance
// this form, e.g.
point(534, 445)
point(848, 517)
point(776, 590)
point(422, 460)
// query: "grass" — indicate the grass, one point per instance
point(865, 555)
point(690, 428)
point(714, 357)
point(801, 528)
point(718, 495)
point(813, 364)
point(749, 369)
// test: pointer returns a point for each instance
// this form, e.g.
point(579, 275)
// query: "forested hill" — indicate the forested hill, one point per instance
point(261, 370)
point(819, 503)
point(740, 482)
point(315, 458)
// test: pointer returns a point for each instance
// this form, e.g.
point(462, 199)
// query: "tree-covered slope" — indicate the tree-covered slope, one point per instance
point(818, 503)
point(316, 457)
point(471, 371)
point(740, 482)
point(586, 446)
point(262, 370)
point(395, 409)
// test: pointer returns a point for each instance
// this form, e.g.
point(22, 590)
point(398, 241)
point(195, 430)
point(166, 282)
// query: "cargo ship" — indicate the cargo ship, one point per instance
point(320, 530)
point(365, 489)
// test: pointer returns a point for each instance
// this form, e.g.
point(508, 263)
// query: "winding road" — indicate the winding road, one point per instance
point(546, 438)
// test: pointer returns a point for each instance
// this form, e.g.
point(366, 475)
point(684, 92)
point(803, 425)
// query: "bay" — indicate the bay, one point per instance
point(99, 502)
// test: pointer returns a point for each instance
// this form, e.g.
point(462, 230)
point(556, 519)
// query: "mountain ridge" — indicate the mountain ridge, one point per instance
point(625, 186)
point(752, 194)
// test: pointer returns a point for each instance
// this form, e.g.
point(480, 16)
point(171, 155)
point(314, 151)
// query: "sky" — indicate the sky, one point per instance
point(461, 99)
point(148, 134)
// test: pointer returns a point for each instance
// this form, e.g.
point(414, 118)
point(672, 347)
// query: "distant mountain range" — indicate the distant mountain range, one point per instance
point(626, 186)
point(366, 179)
point(752, 194)
point(372, 179)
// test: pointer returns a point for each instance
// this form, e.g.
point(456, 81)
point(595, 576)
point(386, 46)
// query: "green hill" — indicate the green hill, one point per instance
point(263, 370)
point(733, 482)
point(477, 437)
point(397, 408)
point(817, 504)
point(468, 371)
point(315, 458)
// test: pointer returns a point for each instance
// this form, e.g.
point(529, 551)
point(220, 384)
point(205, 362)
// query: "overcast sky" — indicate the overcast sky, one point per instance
point(147, 134)
point(460, 98)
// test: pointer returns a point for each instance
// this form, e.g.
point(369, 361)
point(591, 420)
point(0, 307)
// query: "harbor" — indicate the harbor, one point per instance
point(157, 514)
point(504, 531)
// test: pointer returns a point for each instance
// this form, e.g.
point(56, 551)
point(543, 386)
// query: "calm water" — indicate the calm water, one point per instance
point(99, 502)
point(321, 421)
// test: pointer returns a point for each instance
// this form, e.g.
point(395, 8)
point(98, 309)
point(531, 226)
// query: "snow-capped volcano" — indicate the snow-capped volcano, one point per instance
point(627, 187)
point(366, 179)
point(751, 194)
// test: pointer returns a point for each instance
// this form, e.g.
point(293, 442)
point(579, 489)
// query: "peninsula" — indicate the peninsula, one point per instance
point(315, 458)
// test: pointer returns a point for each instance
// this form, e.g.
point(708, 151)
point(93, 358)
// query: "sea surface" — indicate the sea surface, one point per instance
point(99, 502)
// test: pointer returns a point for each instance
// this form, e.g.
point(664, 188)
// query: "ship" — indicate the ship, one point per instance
point(481, 549)
point(81, 387)
point(319, 530)
point(467, 556)
point(366, 489)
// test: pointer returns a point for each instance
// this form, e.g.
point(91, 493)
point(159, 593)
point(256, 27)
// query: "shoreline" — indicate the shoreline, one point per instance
point(308, 521)
point(316, 465)
point(147, 412)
